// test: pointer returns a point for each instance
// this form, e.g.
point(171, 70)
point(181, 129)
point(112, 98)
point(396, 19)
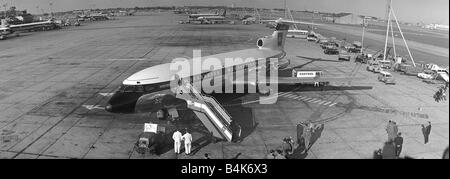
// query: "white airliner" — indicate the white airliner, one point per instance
point(206, 15)
point(149, 90)
point(6, 29)
point(208, 18)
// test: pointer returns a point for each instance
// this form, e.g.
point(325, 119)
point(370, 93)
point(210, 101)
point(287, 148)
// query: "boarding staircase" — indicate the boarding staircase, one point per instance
point(213, 116)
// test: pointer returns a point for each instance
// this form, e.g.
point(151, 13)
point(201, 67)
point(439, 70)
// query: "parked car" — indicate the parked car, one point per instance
point(343, 55)
point(427, 74)
point(374, 68)
point(386, 78)
point(311, 38)
point(331, 51)
point(385, 64)
point(354, 50)
point(362, 58)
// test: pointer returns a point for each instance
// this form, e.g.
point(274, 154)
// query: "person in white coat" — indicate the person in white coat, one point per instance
point(177, 136)
point(187, 142)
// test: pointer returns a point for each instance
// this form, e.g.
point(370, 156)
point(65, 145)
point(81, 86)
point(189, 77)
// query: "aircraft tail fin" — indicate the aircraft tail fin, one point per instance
point(278, 38)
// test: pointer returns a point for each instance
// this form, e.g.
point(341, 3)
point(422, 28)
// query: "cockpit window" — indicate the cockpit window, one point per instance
point(129, 89)
point(149, 88)
point(140, 89)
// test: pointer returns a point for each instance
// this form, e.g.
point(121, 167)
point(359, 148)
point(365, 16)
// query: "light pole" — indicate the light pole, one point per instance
point(4, 5)
point(365, 23)
point(51, 8)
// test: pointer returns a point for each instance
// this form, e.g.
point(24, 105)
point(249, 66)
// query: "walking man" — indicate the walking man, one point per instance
point(390, 131)
point(187, 142)
point(426, 130)
point(307, 136)
point(177, 141)
point(398, 141)
point(395, 129)
point(300, 132)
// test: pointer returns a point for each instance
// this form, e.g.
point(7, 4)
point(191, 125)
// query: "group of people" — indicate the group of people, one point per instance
point(393, 146)
point(305, 132)
point(178, 137)
point(282, 152)
point(276, 154)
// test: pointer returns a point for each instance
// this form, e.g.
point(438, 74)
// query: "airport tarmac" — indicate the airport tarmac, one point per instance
point(54, 85)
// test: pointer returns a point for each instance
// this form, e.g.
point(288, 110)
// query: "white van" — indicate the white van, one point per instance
point(386, 77)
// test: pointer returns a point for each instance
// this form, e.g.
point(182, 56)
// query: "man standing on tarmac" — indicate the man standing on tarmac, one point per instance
point(307, 136)
point(398, 141)
point(426, 130)
point(187, 142)
point(390, 131)
point(177, 141)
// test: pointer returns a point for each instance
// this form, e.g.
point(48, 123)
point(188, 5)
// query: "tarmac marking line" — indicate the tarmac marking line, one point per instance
point(289, 96)
point(315, 101)
point(303, 97)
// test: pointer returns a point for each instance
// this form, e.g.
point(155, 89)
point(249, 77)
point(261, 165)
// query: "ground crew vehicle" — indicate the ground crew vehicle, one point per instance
point(427, 74)
point(410, 70)
point(309, 74)
point(343, 55)
point(331, 51)
point(362, 58)
point(401, 67)
point(311, 38)
point(386, 77)
point(145, 143)
point(385, 64)
point(374, 68)
point(356, 47)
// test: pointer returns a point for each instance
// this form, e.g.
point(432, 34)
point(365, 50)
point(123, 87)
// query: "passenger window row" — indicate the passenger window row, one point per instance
point(137, 88)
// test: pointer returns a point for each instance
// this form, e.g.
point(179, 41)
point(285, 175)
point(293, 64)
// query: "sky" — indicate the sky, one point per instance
point(427, 11)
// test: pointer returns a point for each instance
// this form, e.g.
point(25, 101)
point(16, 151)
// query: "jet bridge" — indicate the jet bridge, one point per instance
point(213, 116)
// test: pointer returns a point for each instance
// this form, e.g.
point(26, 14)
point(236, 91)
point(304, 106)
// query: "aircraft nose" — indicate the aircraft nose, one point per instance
point(108, 108)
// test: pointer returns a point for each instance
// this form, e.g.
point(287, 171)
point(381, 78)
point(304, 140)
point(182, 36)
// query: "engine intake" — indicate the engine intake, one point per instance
point(260, 43)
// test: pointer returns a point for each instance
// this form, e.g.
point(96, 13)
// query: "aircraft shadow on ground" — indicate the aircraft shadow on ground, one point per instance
point(308, 88)
point(242, 116)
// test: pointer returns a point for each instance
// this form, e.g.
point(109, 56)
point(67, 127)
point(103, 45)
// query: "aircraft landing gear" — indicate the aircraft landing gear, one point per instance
point(213, 139)
point(161, 114)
